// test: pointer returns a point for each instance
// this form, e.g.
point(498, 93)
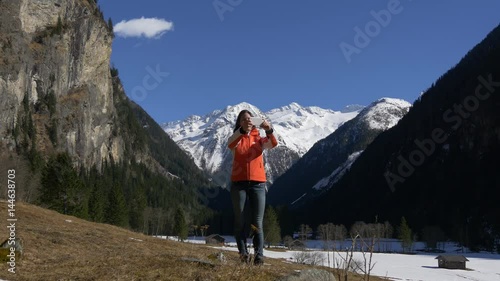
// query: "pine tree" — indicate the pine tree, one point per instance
point(110, 27)
point(61, 188)
point(59, 27)
point(272, 230)
point(97, 203)
point(405, 235)
point(137, 205)
point(116, 211)
point(180, 225)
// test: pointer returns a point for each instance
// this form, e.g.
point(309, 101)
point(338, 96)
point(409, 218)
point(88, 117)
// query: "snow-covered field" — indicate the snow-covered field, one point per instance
point(394, 266)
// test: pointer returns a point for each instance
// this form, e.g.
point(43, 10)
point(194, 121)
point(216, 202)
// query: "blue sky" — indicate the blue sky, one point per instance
point(177, 58)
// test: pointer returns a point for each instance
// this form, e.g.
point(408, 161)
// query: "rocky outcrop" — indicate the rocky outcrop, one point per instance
point(310, 274)
point(55, 56)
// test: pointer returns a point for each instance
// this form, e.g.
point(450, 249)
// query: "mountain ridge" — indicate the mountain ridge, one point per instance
point(331, 152)
point(78, 144)
point(438, 166)
point(296, 127)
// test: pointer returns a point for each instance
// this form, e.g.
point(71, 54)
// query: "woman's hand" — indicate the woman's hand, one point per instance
point(265, 125)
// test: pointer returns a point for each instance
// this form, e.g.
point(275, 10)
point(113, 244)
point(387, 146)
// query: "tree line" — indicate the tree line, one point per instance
point(438, 166)
point(333, 235)
point(123, 194)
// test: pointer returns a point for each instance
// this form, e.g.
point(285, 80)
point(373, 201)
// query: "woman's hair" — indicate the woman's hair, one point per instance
point(237, 125)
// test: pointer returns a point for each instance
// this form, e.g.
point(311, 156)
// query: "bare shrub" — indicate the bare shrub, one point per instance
point(311, 258)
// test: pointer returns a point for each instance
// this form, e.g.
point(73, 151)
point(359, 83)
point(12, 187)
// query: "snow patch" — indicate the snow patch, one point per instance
point(337, 173)
point(385, 113)
point(297, 200)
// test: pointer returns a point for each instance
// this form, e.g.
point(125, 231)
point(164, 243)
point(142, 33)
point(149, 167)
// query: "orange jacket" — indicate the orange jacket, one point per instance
point(248, 164)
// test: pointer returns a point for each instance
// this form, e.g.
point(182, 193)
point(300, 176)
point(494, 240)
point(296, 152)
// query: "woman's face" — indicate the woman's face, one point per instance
point(245, 120)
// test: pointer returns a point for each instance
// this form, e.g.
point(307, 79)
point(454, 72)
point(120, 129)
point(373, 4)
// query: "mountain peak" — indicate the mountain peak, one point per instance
point(235, 109)
point(330, 158)
point(384, 113)
point(297, 129)
point(243, 105)
point(292, 107)
point(393, 101)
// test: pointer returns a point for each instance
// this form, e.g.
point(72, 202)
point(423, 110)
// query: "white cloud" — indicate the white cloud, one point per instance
point(147, 27)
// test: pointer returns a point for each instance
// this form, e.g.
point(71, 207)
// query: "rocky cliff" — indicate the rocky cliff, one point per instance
point(56, 90)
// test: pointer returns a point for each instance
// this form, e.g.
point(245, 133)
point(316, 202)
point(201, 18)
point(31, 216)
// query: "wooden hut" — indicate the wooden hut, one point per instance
point(452, 261)
point(215, 239)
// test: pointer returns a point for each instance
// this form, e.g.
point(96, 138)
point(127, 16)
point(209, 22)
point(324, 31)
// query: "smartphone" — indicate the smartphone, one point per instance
point(256, 121)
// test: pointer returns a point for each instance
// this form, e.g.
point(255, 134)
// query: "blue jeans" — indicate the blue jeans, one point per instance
point(249, 214)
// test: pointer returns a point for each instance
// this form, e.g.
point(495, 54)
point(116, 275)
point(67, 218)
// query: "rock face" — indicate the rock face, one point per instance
point(310, 274)
point(55, 75)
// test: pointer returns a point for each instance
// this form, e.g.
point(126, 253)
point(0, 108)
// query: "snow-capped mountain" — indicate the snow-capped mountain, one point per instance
point(297, 128)
point(331, 157)
point(301, 127)
point(385, 113)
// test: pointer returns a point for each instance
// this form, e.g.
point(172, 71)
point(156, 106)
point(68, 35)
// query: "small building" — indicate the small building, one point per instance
point(215, 239)
point(452, 261)
point(297, 245)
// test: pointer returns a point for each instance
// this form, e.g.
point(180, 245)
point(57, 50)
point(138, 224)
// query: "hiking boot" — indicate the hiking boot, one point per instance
point(245, 258)
point(258, 260)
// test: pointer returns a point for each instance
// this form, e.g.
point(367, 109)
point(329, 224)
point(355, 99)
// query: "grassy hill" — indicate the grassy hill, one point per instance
point(60, 247)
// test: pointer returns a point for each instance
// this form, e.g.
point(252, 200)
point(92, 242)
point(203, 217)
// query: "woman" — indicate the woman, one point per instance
point(248, 180)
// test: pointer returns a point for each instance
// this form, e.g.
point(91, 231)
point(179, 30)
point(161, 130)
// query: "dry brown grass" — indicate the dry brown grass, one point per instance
point(60, 247)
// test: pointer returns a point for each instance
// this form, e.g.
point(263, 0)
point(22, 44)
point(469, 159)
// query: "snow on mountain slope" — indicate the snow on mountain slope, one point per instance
point(297, 129)
point(331, 157)
point(384, 114)
point(204, 137)
point(380, 115)
point(301, 127)
point(337, 173)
